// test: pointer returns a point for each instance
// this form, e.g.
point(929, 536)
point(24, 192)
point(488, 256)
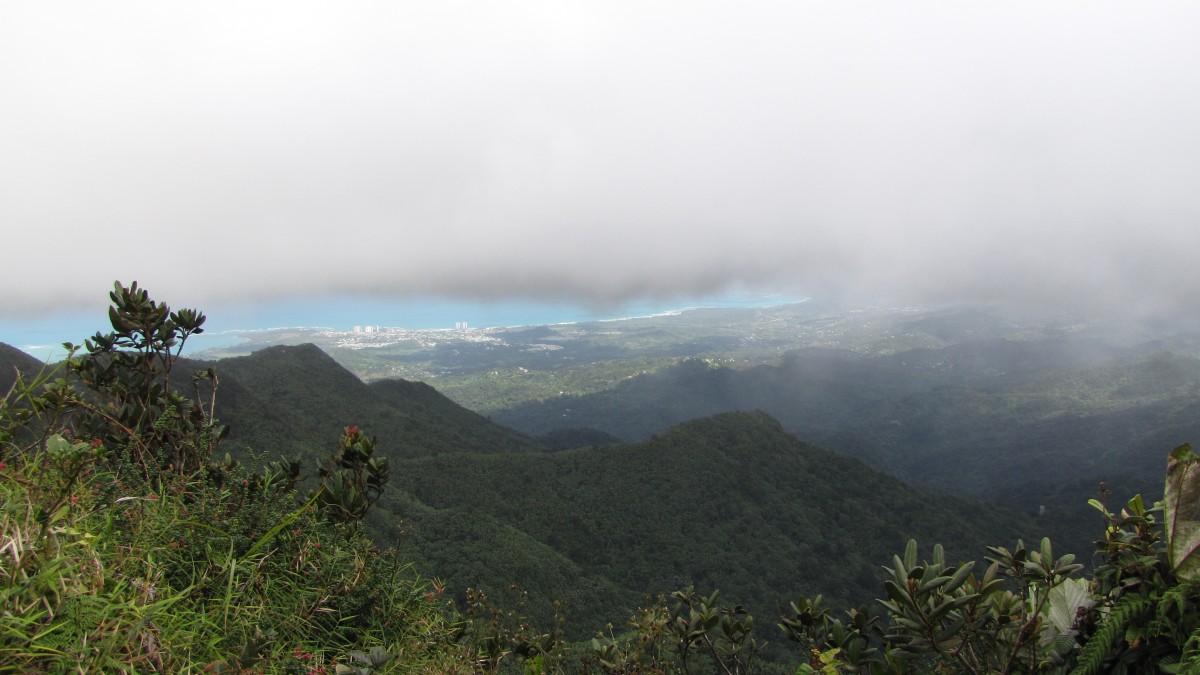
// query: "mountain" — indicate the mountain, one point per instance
point(1038, 424)
point(289, 400)
point(295, 400)
point(970, 417)
point(730, 501)
point(13, 361)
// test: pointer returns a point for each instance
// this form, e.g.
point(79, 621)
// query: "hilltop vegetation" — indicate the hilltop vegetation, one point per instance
point(130, 545)
point(1034, 414)
point(1037, 424)
point(728, 502)
point(127, 548)
point(286, 400)
point(732, 502)
point(996, 408)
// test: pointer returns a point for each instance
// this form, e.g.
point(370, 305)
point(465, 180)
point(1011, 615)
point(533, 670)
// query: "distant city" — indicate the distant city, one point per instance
point(458, 325)
point(234, 326)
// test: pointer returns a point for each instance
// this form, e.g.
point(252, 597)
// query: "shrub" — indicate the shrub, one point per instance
point(125, 548)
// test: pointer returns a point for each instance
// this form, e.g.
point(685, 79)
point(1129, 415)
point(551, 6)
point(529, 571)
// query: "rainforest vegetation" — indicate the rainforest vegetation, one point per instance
point(272, 513)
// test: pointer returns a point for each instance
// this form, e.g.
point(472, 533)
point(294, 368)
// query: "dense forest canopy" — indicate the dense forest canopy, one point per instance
point(147, 529)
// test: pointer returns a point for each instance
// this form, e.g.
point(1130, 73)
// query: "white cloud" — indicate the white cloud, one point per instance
point(218, 151)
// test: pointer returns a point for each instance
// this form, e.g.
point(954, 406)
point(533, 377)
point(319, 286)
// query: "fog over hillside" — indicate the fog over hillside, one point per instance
point(223, 153)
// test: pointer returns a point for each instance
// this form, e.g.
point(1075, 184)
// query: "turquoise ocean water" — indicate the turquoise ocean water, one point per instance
point(43, 337)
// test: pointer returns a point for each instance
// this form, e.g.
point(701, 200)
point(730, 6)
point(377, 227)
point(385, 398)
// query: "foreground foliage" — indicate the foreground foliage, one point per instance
point(127, 545)
point(126, 548)
point(1027, 612)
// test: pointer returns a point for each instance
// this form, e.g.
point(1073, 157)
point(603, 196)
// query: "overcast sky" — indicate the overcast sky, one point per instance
point(1041, 152)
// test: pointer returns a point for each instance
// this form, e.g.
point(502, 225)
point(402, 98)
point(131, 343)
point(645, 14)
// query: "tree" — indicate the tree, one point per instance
point(130, 402)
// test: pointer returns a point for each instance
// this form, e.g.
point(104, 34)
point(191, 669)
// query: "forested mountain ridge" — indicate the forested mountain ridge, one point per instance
point(293, 400)
point(1028, 410)
point(730, 502)
point(971, 417)
point(1038, 418)
point(600, 527)
point(1034, 423)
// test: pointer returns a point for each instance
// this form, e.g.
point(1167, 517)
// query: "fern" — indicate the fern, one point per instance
point(1124, 614)
point(1180, 597)
point(1189, 660)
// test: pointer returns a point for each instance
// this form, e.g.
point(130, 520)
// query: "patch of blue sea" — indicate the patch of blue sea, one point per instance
point(232, 325)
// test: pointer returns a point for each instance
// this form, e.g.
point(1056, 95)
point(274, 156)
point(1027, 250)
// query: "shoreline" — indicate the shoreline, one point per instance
point(230, 338)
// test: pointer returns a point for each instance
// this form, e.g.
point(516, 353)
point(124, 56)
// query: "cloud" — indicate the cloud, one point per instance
point(597, 152)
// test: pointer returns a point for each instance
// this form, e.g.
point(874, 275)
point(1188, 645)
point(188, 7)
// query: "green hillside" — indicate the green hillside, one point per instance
point(730, 502)
point(133, 548)
point(294, 400)
point(998, 403)
point(1017, 421)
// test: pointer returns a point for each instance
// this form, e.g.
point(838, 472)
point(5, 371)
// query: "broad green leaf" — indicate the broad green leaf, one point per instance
point(56, 444)
point(1181, 512)
point(1064, 602)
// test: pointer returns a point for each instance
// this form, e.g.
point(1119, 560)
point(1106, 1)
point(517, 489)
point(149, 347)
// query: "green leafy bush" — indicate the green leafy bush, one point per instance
point(126, 548)
point(1027, 612)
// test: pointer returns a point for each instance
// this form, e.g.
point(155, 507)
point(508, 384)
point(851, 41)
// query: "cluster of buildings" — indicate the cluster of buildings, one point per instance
point(373, 337)
point(458, 325)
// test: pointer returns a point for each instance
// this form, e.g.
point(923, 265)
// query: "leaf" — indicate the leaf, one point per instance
point(56, 444)
point(898, 595)
point(1065, 600)
point(933, 583)
point(1181, 512)
point(910, 554)
point(959, 577)
point(1064, 645)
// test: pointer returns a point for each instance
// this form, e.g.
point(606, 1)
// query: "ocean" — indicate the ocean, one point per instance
point(43, 337)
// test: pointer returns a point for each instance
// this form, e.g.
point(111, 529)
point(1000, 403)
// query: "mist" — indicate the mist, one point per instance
point(1019, 153)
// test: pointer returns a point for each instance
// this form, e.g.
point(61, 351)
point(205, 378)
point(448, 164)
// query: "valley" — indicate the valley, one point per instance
point(772, 453)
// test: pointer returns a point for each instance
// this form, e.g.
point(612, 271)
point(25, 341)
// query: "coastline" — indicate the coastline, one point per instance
point(227, 329)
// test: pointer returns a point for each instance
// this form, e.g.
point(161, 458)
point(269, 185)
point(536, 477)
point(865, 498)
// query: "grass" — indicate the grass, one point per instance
point(199, 574)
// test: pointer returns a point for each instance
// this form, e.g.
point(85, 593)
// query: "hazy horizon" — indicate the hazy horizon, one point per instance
point(43, 337)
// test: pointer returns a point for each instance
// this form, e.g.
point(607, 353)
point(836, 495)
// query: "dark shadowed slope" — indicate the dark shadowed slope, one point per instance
point(12, 361)
point(303, 398)
point(730, 502)
point(972, 417)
